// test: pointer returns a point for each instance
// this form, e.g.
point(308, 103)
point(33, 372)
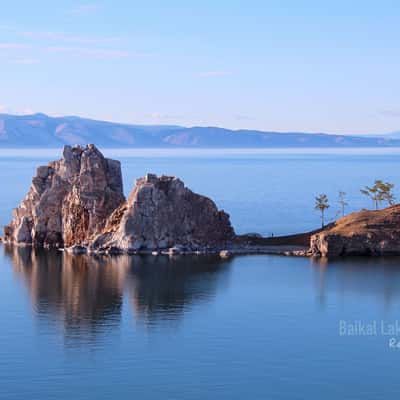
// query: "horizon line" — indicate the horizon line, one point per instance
point(33, 114)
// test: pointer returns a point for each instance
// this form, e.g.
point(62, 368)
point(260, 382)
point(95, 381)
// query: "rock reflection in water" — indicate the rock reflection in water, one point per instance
point(368, 276)
point(85, 293)
point(162, 288)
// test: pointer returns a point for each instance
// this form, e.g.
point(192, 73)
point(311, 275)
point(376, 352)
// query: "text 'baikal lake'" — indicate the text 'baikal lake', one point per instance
point(262, 327)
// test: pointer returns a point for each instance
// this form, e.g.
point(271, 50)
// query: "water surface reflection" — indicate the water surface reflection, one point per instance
point(375, 277)
point(85, 294)
point(86, 297)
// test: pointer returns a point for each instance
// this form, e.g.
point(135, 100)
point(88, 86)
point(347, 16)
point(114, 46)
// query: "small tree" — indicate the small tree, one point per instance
point(379, 192)
point(390, 198)
point(322, 204)
point(342, 200)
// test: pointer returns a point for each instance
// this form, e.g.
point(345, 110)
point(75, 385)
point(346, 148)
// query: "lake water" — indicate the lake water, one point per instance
point(263, 327)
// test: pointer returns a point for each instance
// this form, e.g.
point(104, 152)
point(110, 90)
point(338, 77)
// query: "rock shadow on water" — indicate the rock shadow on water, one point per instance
point(83, 296)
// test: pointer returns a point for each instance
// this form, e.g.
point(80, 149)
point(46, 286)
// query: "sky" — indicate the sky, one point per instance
point(314, 66)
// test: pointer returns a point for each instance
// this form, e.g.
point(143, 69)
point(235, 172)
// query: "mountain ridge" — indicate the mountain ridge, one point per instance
point(40, 130)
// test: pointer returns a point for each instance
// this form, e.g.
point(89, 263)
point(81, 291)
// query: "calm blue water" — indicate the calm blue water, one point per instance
point(263, 327)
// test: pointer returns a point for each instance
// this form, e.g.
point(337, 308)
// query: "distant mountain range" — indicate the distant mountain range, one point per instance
point(42, 131)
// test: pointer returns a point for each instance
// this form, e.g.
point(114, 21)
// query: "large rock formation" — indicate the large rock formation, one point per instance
point(69, 200)
point(361, 233)
point(78, 203)
point(162, 213)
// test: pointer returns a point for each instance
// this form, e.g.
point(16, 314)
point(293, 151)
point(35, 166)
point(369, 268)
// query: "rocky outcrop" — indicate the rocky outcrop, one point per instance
point(364, 233)
point(78, 203)
point(69, 200)
point(162, 213)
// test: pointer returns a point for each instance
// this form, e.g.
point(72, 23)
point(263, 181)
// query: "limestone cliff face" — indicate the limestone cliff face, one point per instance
point(69, 200)
point(162, 213)
point(361, 233)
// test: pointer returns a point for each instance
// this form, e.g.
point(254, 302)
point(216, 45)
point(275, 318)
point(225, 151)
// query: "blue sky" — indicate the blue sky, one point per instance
point(271, 65)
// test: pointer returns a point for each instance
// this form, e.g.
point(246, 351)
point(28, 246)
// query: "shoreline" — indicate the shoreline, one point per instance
point(272, 246)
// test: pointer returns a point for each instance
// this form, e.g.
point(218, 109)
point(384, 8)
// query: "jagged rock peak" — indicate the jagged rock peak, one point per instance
point(162, 213)
point(69, 200)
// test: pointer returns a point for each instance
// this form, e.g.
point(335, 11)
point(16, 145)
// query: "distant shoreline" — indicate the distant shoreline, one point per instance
point(33, 152)
point(40, 130)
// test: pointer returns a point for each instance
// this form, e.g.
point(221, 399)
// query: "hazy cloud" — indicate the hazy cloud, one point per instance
point(25, 61)
point(27, 111)
point(92, 52)
point(242, 117)
point(11, 46)
point(157, 115)
point(67, 38)
point(214, 74)
point(85, 9)
point(64, 43)
point(25, 51)
point(391, 113)
point(7, 110)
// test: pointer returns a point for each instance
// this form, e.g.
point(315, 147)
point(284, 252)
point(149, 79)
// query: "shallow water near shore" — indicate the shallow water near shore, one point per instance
point(192, 327)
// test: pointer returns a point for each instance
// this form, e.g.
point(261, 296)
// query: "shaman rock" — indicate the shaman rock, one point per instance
point(162, 213)
point(69, 200)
